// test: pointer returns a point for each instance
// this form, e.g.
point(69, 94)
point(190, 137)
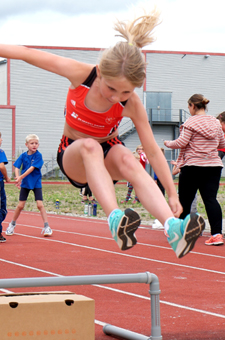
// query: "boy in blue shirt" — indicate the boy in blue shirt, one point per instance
point(30, 179)
point(3, 174)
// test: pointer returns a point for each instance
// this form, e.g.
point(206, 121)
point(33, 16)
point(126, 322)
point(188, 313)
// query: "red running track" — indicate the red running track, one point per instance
point(192, 303)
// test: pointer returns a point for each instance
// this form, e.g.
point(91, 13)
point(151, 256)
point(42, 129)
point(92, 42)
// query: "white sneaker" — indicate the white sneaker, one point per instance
point(10, 230)
point(157, 225)
point(47, 231)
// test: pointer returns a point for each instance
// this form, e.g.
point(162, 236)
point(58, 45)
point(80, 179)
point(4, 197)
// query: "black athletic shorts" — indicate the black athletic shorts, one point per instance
point(24, 192)
point(65, 142)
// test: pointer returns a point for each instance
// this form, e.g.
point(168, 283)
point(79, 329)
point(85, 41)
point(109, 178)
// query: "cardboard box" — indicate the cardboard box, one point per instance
point(48, 315)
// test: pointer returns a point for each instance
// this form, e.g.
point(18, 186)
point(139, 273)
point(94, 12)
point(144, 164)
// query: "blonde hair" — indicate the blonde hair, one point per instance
point(125, 59)
point(139, 147)
point(31, 136)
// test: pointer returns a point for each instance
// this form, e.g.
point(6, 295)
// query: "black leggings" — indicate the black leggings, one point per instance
point(206, 180)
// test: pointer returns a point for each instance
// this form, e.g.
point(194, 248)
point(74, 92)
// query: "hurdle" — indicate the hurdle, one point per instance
point(108, 329)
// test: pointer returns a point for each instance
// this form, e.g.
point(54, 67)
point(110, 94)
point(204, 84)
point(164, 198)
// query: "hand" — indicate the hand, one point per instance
point(173, 162)
point(18, 181)
point(166, 142)
point(175, 206)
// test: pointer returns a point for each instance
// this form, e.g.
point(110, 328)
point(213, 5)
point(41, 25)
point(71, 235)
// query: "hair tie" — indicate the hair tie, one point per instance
point(130, 44)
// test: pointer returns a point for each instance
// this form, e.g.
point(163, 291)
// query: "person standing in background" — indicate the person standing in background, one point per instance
point(221, 118)
point(200, 166)
point(3, 175)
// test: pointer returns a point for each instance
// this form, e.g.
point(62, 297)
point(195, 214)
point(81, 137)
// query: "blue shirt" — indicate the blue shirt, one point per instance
point(3, 159)
point(33, 180)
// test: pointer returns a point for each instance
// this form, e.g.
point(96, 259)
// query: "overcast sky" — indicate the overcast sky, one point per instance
point(187, 25)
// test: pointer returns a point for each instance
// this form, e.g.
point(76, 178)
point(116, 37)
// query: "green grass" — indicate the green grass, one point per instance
point(70, 200)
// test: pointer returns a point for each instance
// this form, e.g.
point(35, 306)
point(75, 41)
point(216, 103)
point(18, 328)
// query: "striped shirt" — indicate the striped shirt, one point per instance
point(200, 138)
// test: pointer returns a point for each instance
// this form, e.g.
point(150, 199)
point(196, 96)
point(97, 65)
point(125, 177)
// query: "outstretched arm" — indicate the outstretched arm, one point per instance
point(71, 69)
point(181, 141)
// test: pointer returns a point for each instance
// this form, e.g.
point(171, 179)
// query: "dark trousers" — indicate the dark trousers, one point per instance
point(206, 180)
point(161, 187)
point(87, 191)
point(3, 211)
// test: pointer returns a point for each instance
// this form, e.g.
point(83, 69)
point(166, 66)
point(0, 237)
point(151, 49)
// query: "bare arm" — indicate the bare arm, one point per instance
point(18, 177)
point(74, 71)
point(136, 111)
point(25, 174)
point(4, 172)
point(181, 141)
point(175, 169)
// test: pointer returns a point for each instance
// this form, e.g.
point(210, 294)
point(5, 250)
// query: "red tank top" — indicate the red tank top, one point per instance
point(80, 118)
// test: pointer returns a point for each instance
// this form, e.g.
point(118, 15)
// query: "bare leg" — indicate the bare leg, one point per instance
point(123, 165)
point(42, 210)
point(83, 162)
point(18, 210)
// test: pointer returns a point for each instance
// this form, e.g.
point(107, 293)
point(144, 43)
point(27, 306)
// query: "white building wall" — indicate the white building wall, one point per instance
point(40, 96)
point(185, 76)
point(3, 83)
point(6, 131)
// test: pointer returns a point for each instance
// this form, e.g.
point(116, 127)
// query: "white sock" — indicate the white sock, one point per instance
point(112, 212)
point(166, 224)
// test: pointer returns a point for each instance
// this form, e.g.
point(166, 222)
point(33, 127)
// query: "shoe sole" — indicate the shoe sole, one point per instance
point(1, 241)
point(9, 234)
point(126, 229)
point(214, 244)
point(48, 234)
point(193, 230)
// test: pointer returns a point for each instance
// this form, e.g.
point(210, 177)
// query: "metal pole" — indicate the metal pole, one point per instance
point(123, 333)
point(76, 280)
point(146, 277)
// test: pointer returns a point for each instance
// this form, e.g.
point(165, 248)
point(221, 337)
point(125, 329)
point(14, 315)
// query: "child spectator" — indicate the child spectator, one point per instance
point(30, 179)
point(221, 118)
point(139, 155)
point(88, 193)
point(143, 159)
point(3, 175)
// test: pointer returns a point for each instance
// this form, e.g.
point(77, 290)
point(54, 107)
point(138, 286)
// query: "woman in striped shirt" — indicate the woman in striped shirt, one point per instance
point(200, 138)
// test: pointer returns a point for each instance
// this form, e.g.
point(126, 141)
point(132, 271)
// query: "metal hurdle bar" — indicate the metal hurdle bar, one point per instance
point(146, 277)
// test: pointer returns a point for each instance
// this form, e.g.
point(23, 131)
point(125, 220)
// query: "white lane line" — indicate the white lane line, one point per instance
point(123, 254)
point(121, 292)
point(165, 302)
point(111, 239)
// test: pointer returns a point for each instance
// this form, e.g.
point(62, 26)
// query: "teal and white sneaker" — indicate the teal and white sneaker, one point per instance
point(123, 226)
point(183, 234)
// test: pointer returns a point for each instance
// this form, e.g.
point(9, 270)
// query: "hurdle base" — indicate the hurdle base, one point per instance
point(126, 334)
